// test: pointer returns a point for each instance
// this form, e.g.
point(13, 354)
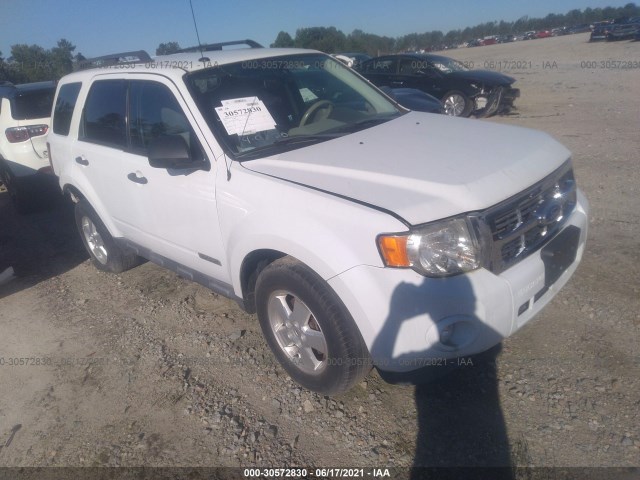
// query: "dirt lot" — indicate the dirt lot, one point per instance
point(145, 368)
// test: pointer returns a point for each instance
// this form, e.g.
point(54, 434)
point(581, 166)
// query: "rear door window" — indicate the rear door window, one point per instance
point(103, 121)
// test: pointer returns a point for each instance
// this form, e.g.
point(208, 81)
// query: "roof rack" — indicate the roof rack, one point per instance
point(123, 58)
point(212, 47)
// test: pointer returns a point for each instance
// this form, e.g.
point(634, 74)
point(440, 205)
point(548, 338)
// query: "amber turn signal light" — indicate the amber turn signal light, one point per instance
point(394, 250)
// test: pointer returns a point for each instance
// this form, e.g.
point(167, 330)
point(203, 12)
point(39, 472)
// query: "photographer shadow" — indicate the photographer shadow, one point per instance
point(461, 427)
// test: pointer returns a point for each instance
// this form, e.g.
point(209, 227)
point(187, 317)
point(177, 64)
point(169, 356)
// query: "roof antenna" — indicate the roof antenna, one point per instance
point(197, 34)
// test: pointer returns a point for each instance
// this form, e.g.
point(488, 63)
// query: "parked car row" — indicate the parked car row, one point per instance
point(532, 35)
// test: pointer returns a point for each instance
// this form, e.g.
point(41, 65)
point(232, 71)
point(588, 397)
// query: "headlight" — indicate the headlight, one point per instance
point(439, 249)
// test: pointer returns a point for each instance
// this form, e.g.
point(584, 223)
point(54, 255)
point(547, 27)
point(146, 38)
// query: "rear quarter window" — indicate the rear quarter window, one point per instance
point(65, 104)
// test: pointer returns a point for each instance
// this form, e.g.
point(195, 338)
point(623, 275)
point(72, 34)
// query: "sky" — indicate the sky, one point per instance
point(99, 27)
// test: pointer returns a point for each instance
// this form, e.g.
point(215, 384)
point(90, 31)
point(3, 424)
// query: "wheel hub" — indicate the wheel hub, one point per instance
point(297, 332)
point(454, 105)
point(94, 240)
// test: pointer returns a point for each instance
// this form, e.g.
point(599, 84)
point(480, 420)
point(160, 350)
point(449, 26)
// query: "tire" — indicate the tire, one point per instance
point(457, 104)
point(323, 350)
point(105, 253)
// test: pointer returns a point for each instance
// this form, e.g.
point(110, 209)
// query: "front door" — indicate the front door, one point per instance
point(173, 211)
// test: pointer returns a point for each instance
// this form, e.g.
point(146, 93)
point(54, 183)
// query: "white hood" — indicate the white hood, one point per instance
point(423, 166)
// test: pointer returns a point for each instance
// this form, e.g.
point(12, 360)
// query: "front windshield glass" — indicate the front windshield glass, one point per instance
point(266, 106)
point(448, 65)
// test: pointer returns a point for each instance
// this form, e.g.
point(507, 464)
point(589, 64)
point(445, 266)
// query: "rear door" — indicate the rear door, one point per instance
point(102, 143)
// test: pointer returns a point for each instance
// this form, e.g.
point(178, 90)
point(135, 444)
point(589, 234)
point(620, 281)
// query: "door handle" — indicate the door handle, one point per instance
point(397, 83)
point(82, 161)
point(137, 179)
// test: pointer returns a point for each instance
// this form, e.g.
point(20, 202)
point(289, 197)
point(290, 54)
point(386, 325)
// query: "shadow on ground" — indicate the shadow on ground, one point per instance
point(459, 416)
point(37, 246)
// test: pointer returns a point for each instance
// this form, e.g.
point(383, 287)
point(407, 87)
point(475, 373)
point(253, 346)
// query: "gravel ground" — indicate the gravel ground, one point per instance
point(147, 369)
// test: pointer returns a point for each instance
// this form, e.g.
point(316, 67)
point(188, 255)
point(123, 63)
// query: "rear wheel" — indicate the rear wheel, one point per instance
point(308, 328)
point(456, 104)
point(105, 253)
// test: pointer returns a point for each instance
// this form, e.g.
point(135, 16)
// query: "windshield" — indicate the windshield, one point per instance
point(269, 105)
point(448, 65)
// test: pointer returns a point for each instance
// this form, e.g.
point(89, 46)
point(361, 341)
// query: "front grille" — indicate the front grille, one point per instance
point(524, 223)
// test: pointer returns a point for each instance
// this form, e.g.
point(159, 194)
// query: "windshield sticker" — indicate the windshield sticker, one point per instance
point(244, 116)
point(307, 95)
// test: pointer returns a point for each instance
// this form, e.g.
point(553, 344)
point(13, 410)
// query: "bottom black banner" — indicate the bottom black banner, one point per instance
point(462, 473)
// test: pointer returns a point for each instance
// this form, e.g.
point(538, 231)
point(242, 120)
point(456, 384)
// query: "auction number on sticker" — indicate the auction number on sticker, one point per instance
point(242, 111)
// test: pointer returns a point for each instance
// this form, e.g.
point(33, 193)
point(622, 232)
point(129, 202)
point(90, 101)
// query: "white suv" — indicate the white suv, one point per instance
point(362, 234)
point(24, 121)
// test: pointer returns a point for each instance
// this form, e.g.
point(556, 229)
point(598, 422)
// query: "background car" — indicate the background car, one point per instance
point(352, 59)
point(599, 33)
point(623, 29)
point(463, 92)
point(582, 28)
point(25, 111)
point(506, 38)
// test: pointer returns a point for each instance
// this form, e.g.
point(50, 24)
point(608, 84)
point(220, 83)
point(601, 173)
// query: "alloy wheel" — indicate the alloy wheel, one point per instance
point(94, 240)
point(297, 332)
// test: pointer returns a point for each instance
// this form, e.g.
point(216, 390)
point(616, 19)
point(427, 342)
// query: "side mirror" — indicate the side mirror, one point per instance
point(171, 151)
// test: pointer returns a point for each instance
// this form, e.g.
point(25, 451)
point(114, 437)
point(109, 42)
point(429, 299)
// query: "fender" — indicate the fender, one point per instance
point(328, 233)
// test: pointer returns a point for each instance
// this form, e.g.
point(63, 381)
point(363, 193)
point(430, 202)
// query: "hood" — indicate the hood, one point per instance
point(423, 167)
point(484, 76)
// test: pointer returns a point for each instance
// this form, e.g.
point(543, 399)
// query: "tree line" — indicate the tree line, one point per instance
point(331, 40)
point(32, 63)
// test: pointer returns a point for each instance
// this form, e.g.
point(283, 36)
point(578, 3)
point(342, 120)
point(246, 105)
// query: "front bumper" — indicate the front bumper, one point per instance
point(499, 100)
point(405, 317)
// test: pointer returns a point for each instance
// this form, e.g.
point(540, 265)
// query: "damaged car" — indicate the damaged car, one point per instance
point(464, 92)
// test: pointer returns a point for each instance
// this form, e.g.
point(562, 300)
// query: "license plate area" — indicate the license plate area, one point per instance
point(559, 254)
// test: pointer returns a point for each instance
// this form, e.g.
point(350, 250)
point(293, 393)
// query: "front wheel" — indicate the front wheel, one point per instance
point(308, 328)
point(457, 104)
point(105, 253)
